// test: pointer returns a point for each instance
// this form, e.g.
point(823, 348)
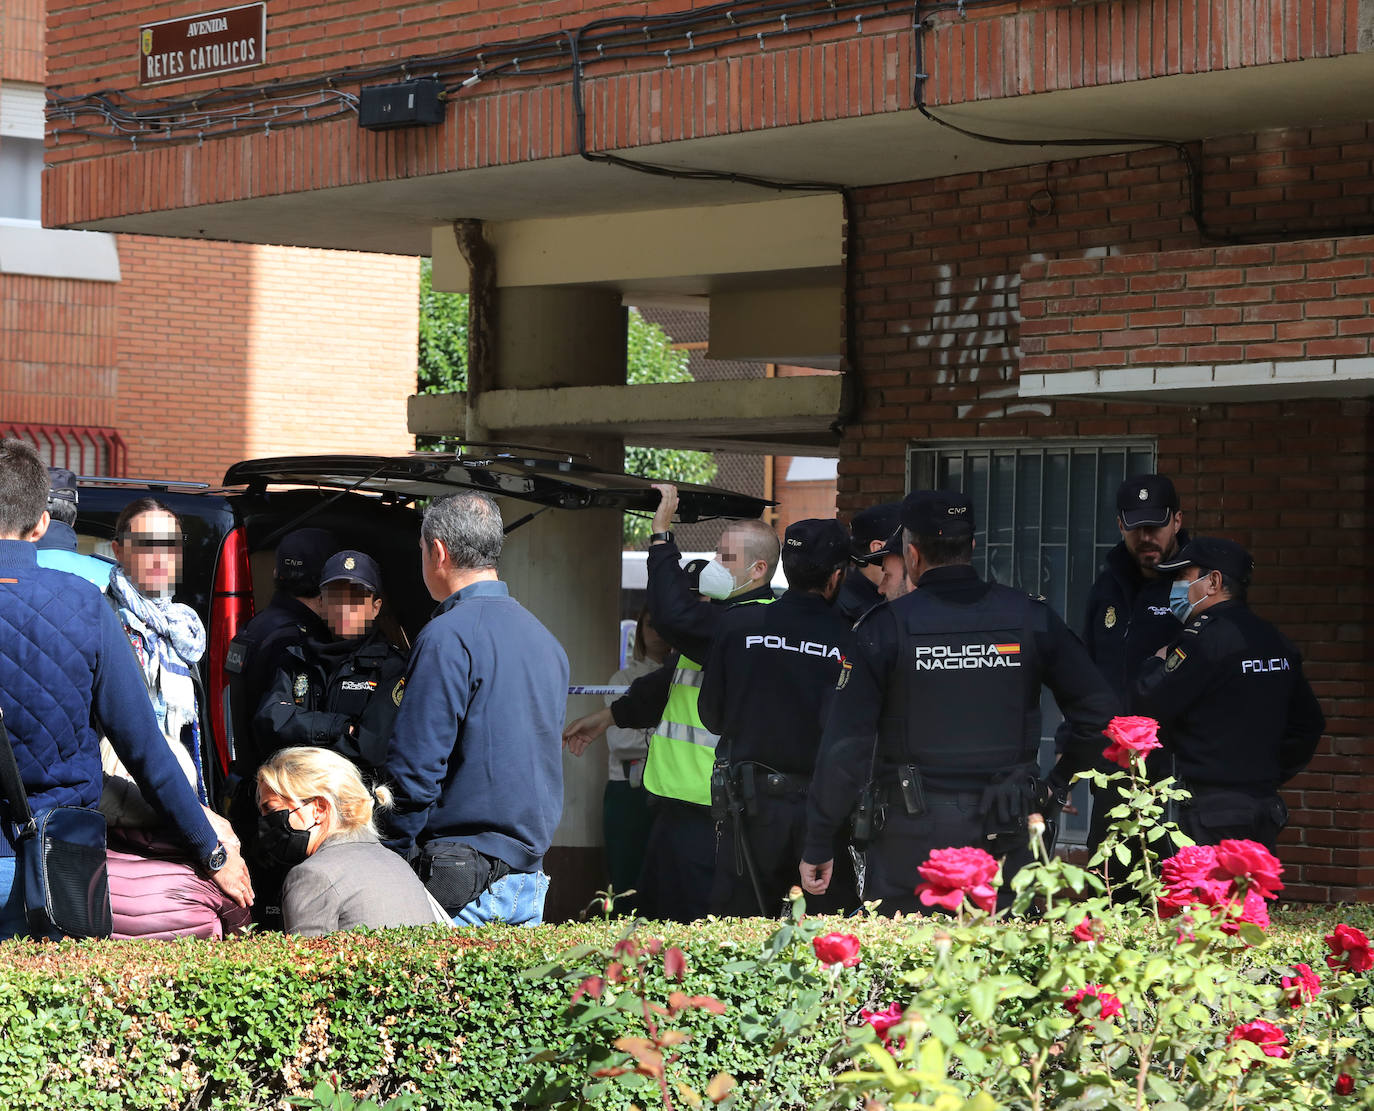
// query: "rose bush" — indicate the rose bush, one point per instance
point(1131, 737)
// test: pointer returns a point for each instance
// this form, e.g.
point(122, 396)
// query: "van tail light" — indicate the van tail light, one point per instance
point(231, 606)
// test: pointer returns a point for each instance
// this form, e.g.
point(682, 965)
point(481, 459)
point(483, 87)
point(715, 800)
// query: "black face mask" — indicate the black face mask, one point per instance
point(279, 843)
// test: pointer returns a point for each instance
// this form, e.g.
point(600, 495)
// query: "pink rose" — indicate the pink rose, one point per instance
point(1349, 950)
point(1131, 737)
point(1345, 1085)
point(1108, 1004)
point(883, 1021)
point(1234, 911)
point(1302, 987)
point(1264, 1034)
point(1253, 861)
point(952, 874)
point(1089, 930)
point(841, 949)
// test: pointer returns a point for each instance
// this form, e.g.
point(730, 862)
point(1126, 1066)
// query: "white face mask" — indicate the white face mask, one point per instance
point(715, 581)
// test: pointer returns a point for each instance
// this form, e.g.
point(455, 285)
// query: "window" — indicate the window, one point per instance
point(1046, 517)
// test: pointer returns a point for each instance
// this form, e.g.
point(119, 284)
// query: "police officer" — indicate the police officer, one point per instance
point(1229, 693)
point(766, 690)
point(259, 649)
point(342, 694)
point(893, 581)
point(1128, 617)
point(869, 531)
point(680, 857)
point(57, 548)
point(947, 681)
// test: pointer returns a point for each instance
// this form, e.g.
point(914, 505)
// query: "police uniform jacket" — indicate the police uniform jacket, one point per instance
point(770, 679)
point(342, 696)
point(1232, 702)
point(948, 678)
point(255, 656)
point(1128, 618)
point(857, 596)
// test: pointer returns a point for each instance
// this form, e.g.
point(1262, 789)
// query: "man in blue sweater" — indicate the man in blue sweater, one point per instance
point(65, 664)
point(476, 759)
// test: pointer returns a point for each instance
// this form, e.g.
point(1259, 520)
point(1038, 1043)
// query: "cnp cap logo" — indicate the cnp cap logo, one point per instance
point(957, 510)
point(350, 563)
point(1144, 494)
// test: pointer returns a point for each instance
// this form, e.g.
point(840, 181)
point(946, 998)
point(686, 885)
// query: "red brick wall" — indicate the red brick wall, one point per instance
point(205, 354)
point(1307, 299)
point(21, 40)
point(939, 337)
point(800, 75)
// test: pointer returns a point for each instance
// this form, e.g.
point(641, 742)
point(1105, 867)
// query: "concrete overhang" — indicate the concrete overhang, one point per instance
point(1200, 385)
point(762, 416)
point(397, 216)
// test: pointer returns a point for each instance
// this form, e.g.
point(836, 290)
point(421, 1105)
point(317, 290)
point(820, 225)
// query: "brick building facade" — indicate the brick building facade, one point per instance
point(1190, 291)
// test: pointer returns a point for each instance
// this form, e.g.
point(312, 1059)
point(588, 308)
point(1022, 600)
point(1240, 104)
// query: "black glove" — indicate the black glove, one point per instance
point(1007, 802)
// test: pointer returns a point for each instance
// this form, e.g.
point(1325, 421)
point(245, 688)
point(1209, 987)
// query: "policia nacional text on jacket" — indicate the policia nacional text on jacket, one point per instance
point(947, 679)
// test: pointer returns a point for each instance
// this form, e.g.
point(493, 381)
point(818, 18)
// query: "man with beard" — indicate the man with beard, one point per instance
point(1128, 617)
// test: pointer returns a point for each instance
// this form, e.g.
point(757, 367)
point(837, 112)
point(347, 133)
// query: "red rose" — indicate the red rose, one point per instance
point(1192, 875)
point(1302, 987)
point(883, 1021)
point(1130, 737)
point(1349, 950)
point(1107, 1003)
point(1264, 1034)
point(953, 873)
point(1089, 930)
point(1345, 1084)
point(1253, 861)
point(842, 949)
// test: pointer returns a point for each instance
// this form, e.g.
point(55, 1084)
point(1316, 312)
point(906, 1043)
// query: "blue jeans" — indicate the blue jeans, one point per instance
point(517, 899)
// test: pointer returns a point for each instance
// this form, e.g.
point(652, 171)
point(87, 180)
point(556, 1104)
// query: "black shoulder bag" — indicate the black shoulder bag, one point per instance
point(60, 859)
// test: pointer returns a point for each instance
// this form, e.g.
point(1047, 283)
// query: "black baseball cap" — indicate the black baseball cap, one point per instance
point(693, 568)
point(877, 522)
point(937, 513)
point(1213, 553)
point(301, 555)
point(892, 547)
point(816, 542)
point(354, 567)
point(1148, 500)
point(62, 485)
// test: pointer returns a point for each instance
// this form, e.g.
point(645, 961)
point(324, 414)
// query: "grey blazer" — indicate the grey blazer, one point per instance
point(344, 884)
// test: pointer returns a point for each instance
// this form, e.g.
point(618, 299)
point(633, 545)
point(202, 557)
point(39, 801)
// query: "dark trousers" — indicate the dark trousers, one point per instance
point(951, 820)
point(626, 819)
point(1216, 814)
point(776, 833)
point(679, 862)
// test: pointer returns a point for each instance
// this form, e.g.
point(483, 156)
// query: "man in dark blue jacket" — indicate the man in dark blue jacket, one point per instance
point(65, 664)
point(476, 760)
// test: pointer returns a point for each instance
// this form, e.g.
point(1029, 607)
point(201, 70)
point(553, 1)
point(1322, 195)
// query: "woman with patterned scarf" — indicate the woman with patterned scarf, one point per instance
point(156, 891)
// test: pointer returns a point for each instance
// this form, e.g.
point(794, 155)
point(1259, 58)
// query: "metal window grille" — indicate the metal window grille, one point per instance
point(1046, 518)
point(86, 451)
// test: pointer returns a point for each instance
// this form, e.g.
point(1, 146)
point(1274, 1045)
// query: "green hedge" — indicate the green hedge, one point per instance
point(251, 1024)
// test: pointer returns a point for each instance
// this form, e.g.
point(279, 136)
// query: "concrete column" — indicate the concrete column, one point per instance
point(564, 566)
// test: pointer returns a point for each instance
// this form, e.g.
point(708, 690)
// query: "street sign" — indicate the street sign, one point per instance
point(198, 45)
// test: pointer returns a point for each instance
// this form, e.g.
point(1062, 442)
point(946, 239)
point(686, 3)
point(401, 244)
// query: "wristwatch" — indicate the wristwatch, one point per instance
point(664, 537)
point(218, 858)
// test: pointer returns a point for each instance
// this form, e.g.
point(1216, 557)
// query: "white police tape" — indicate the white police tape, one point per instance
point(597, 690)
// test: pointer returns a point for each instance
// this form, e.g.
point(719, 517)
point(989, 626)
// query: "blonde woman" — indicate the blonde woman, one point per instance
point(315, 819)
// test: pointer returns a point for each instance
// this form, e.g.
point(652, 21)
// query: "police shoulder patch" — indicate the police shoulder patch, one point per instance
point(1109, 618)
point(398, 691)
point(1176, 657)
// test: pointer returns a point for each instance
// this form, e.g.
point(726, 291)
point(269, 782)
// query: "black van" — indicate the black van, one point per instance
point(371, 503)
